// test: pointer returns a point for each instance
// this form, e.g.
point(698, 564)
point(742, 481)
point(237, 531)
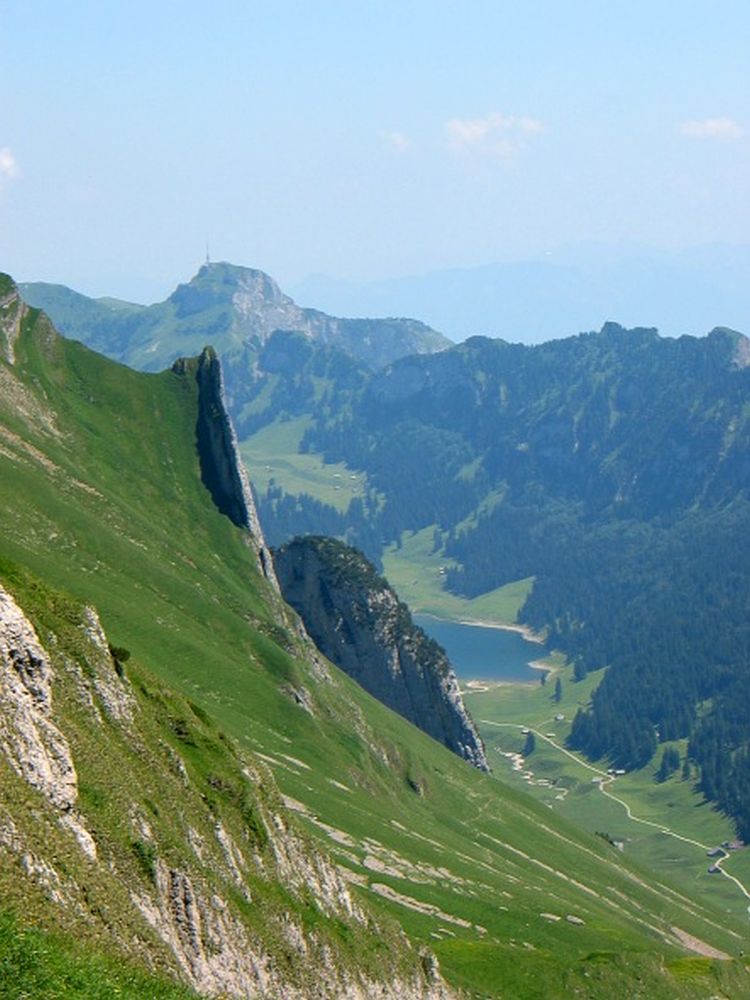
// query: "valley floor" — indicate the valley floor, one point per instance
point(666, 827)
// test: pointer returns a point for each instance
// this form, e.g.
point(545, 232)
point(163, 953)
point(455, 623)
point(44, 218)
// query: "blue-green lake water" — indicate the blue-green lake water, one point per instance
point(481, 653)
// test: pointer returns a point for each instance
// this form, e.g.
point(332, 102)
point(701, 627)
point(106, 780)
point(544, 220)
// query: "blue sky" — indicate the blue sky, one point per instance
point(362, 139)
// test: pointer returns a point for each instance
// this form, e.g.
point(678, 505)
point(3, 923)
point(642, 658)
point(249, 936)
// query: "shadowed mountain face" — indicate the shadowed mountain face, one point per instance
point(356, 620)
point(488, 442)
point(622, 421)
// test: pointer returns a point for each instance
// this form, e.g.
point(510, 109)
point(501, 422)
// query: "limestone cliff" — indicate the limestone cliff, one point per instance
point(222, 471)
point(186, 886)
point(357, 621)
point(12, 309)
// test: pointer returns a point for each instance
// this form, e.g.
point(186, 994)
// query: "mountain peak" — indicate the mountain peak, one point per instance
point(223, 273)
point(221, 283)
point(739, 345)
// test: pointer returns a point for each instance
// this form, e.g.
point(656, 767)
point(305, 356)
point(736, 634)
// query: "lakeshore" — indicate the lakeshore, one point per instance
point(523, 630)
point(486, 652)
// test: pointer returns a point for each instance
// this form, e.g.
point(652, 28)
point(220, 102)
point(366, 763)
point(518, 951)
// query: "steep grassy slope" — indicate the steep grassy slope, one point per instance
point(144, 831)
point(101, 497)
point(34, 963)
point(127, 818)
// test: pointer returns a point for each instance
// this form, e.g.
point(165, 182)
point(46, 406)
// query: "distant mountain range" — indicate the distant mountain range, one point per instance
point(235, 310)
point(559, 294)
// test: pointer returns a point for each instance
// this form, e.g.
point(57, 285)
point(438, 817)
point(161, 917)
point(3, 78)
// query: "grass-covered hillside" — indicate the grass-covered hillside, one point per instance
point(103, 506)
point(151, 837)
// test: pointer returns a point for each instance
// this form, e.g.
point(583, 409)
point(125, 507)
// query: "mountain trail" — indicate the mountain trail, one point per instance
point(609, 779)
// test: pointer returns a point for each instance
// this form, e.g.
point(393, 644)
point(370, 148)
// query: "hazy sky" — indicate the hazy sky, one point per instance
point(362, 139)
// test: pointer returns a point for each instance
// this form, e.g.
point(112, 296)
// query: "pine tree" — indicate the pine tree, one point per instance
point(670, 761)
point(558, 690)
point(579, 669)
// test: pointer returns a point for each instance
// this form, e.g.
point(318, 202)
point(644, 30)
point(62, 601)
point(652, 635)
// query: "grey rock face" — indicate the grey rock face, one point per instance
point(222, 470)
point(357, 621)
point(259, 307)
point(12, 311)
point(33, 744)
point(218, 956)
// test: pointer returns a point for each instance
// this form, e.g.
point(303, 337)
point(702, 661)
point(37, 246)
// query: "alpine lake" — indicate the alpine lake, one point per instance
point(484, 652)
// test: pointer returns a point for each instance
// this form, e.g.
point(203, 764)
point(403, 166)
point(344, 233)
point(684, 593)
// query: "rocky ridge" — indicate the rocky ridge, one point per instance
point(222, 470)
point(357, 621)
point(12, 310)
point(179, 908)
point(33, 745)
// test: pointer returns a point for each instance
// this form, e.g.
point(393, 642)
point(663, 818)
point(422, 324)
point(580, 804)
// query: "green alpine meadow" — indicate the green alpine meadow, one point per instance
point(195, 802)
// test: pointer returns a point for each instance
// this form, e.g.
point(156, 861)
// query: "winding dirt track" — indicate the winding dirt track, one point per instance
point(609, 779)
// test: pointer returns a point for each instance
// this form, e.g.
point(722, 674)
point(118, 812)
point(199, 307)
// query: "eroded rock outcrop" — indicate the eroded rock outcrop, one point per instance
point(357, 621)
point(217, 953)
point(12, 311)
point(170, 898)
point(34, 746)
point(222, 471)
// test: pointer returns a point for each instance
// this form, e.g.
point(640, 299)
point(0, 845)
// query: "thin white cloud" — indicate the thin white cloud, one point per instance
point(397, 140)
point(496, 134)
point(712, 128)
point(8, 164)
